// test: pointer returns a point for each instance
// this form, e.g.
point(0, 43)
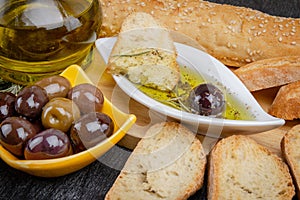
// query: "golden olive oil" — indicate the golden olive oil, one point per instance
point(189, 79)
point(41, 38)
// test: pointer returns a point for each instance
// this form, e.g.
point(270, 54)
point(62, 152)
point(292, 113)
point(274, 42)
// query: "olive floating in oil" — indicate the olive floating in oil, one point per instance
point(178, 97)
point(206, 99)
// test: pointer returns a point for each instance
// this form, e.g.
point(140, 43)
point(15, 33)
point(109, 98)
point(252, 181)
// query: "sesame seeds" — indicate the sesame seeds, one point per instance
point(230, 45)
point(249, 51)
point(240, 32)
point(213, 13)
point(248, 60)
point(232, 22)
point(253, 53)
point(258, 33)
point(293, 43)
point(280, 27)
point(234, 28)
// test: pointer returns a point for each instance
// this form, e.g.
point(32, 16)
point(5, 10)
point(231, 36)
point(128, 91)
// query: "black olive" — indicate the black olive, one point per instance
point(15, 132)
point(87, 97)
point(91, 129)
point(206, 99)
point(7, 105)
point(55, 86)
point(30, 101)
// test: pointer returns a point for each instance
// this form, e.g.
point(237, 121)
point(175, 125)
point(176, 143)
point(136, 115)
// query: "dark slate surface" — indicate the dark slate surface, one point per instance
point(94, 181)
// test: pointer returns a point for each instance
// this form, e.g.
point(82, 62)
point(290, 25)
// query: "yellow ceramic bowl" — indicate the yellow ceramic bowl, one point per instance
point(62, 166)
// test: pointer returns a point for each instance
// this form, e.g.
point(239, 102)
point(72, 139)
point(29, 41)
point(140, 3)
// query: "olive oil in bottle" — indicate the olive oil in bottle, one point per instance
point(42, 37)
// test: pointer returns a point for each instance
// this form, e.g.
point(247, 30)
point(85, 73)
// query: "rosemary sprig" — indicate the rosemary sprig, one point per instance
point(131, 55)
point(6, 86)
point(181, 92)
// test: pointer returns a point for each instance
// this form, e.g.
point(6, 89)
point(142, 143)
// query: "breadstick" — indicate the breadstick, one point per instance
point(234, 35)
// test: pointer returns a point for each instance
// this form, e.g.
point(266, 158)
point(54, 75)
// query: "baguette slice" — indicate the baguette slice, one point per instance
point(169, 163)
point(286, 104)
point(145, 52)
point(269, 73)
point(242, 169)
point(290, 145)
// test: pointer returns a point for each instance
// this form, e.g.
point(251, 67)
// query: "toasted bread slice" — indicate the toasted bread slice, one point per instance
point(242, 169)
point(286, 104)
point(290, 145)
point(145, 53)
point(269, 73)
point(169, 163)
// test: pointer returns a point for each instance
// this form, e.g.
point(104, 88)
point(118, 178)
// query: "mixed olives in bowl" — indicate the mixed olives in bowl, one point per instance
point(29, 144)
point(57, 106)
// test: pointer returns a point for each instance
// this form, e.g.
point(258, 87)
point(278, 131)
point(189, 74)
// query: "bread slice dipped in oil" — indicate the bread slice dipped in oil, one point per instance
point(145, 53)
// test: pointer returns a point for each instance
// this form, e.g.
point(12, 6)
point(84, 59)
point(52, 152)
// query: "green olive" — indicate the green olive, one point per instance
point(59, 113)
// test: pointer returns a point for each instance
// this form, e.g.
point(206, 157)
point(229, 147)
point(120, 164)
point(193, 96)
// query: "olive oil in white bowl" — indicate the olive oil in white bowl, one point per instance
point(253, 118)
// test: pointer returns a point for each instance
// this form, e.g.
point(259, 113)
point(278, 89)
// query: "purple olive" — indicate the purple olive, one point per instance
point(7, 105)
point(90, 129)
point(206, 99)
point(50, 143)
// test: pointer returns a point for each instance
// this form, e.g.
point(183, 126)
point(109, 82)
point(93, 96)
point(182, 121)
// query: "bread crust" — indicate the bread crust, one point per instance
point(290, 150)
point(234, 35)
point(269, 73)
point(232, 171)
point(286, 104)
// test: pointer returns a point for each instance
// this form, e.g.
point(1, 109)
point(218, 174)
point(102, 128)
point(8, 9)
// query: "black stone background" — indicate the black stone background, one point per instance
point(93, 181)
